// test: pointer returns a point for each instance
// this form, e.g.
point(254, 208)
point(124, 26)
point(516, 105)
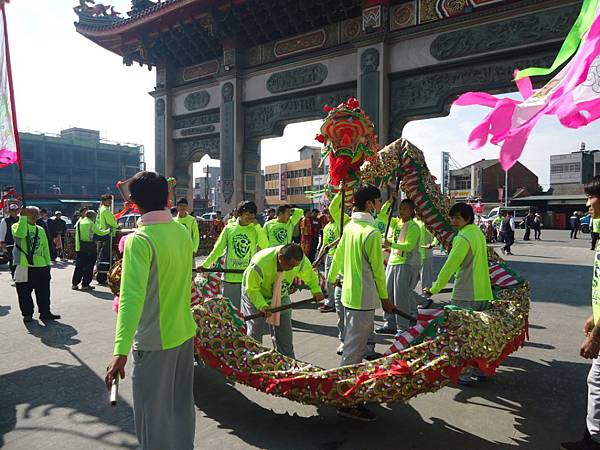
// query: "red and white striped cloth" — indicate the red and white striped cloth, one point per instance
point(211, 289)
point(424, 318)
point(501, 277)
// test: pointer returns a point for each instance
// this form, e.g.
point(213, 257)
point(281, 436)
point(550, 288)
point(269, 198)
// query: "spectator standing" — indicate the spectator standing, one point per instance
point(7, 242)
point(529, 224)
point(575, 224)
point(32, 258)
point(306, 233)
point(86, 251)
point(537, 227)
point(48, 226)
point(60, 233)
point(317, 228)
point(508, 231)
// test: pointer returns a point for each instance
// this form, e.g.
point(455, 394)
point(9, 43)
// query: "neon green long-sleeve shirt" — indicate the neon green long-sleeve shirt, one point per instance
point(87, 229)
point(382, 217)
point(238, 243)
point(407, 251)
point(281, 233)
point(260, 275)
point(596, 225)
point(24, 235)
point(359, 259)
point(189, 222)
point(330, 233)
point(468, 260)
point(154, 303)
point(336, 211)
point(426, 239)
point(106, 219)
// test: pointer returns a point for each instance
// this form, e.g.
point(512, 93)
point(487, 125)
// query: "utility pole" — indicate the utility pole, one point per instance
point(505, 188)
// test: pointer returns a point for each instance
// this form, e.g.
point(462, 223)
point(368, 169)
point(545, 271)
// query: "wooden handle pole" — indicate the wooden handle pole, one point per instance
point(392, 208)
point(278, 309)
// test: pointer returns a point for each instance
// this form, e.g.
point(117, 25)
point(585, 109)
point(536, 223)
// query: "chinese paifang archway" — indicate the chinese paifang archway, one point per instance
point(426, 358)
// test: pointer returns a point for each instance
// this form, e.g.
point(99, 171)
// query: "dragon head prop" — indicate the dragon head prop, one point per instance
point(348, 138)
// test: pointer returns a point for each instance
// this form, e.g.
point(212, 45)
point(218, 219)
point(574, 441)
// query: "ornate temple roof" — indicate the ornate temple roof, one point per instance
point(185, 32)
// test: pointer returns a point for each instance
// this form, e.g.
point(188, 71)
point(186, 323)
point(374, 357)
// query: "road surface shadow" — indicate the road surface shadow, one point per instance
point(47, 389)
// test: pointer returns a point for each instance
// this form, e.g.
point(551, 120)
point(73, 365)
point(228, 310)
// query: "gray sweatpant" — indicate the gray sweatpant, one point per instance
point(331, 291)
point(359, 329)
point(233, 291)
point(401, 280)
point(163, 397)
point(341, 313)
point(427, 273)
point(282, 335)
point(593, 412)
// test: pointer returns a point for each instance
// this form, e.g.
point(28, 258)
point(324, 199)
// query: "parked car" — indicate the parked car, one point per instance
point(586, 224)
point(519, 213)
point(128, 220)
point(209, 216)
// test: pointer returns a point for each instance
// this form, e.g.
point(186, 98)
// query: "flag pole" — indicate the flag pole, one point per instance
point(13, 108)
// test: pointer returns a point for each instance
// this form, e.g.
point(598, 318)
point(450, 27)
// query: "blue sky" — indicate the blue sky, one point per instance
point(64, 80)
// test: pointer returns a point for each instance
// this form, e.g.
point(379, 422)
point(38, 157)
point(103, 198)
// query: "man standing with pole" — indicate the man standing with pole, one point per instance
point(155, 320)
point(359, 258)
point(265, 284)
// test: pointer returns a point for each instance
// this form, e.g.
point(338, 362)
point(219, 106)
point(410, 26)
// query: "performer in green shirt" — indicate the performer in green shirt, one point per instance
point(188, 221)
point(265, 284)
point(404, 265)
point(155, 320)
point(238, 241)
point(280, 230)
point(591, 345)
point(105, 220)
point(359, 258)
point(85, 250)
point(31, 255)
point(468, 262)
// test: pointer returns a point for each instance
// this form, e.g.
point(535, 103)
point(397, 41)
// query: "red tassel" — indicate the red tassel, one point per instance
point(320, 138)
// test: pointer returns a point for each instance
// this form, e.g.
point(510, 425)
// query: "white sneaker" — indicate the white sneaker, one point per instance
point(340, 349)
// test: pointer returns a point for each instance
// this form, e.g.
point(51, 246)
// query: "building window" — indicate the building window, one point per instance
point(462, 184)
point(565, 168)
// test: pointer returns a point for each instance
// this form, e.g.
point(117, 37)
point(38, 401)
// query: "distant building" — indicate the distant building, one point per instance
point(485, 179)
point(62, 171)
point(568, 172)
point(206, 190)
point(289, 182)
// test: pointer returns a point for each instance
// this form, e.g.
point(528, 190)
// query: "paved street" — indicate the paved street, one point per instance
point(52, 392)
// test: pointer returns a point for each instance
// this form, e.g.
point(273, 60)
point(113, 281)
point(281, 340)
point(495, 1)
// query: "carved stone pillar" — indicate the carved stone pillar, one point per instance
point(373, 87)
point(164, 152)
point(231, 143)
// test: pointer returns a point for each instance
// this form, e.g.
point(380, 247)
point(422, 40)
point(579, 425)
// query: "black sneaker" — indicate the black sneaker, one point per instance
point(27, 319)
point(87, 288)
point(385, 330)
point(358, 413)
point(49, 316)
point(373, 356)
